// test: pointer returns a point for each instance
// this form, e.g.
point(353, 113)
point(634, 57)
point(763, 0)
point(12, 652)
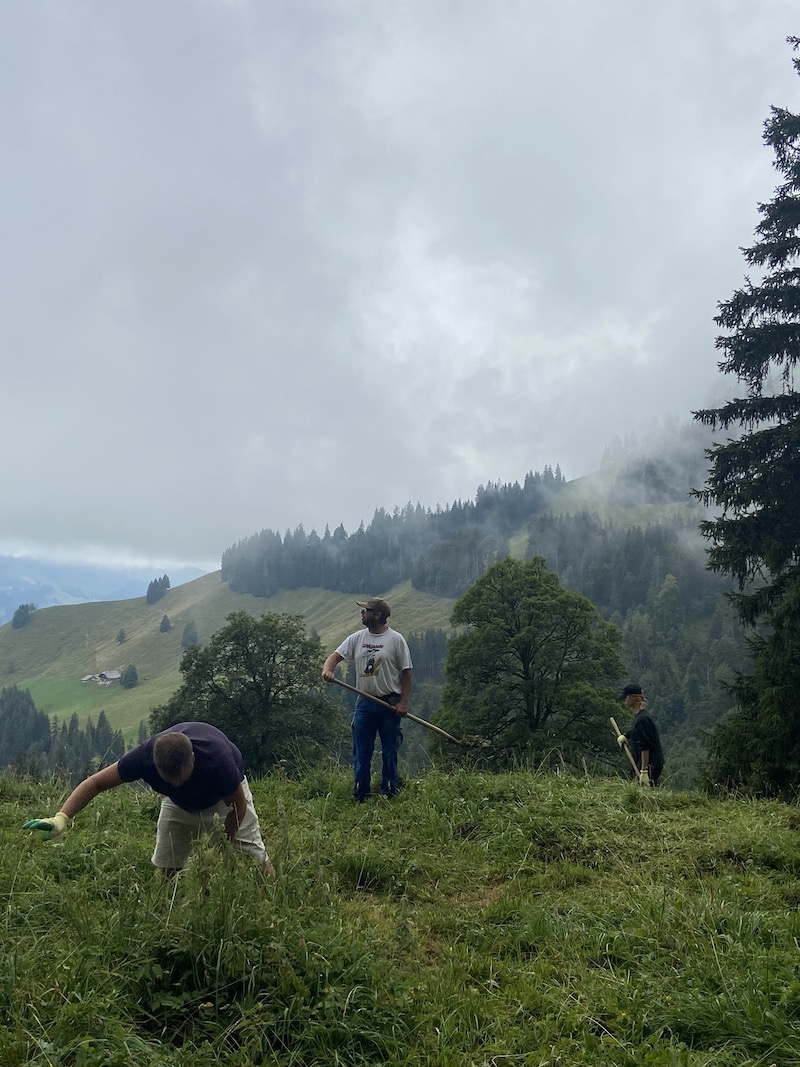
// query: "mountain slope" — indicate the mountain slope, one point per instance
point(63, 644)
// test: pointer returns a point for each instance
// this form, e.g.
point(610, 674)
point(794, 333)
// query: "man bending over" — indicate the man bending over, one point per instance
point(199, 772)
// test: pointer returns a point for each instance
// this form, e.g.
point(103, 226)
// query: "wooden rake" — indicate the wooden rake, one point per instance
point(628, 752)
point(466, 743)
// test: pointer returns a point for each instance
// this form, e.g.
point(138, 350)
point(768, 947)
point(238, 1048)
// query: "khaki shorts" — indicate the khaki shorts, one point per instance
point(177, 829)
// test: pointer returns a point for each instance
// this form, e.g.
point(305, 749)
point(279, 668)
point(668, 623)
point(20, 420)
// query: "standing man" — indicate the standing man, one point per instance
point(200, 774)
point(384, 670)
point(643, 737)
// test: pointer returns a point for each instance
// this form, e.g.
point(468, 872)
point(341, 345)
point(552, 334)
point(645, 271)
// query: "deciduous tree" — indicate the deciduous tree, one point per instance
point(129, 678)
point(259, 680)
point(534, 665)
point(22, 616)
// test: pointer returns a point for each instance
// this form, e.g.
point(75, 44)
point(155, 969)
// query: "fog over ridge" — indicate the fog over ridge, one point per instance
point(271, 266)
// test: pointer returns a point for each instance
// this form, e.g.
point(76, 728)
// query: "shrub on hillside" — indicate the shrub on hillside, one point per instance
point(22, 616)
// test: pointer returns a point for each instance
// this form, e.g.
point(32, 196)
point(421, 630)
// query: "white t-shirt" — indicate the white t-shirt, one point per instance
point(379, 660)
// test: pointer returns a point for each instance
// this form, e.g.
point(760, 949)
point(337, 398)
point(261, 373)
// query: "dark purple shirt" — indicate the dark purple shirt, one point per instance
point(218, 767)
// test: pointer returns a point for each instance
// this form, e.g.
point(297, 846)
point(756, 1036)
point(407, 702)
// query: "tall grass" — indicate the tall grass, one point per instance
point(515, 919)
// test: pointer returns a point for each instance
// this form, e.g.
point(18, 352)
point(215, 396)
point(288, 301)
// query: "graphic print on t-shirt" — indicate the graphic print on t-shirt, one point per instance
point(371, 659)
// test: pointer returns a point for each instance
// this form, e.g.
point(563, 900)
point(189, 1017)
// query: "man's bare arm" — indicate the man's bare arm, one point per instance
point(88, 789)
point(330, 665)
point(237, 802)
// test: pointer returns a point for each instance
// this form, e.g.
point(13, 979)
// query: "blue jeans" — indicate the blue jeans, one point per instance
point(370, 719)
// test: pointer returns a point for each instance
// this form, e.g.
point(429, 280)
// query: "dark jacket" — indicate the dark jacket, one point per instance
point(643, 737)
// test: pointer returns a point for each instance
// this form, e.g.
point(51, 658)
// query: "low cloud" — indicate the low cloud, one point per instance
point(267, 265)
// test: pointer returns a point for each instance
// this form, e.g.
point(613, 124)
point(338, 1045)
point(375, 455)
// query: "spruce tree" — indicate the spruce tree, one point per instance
point(753, 482)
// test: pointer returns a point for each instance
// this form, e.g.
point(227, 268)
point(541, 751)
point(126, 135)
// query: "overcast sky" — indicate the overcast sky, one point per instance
point(270, 263)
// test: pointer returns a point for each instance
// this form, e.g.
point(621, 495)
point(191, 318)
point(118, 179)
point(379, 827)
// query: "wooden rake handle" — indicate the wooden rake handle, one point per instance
point(391, 707)
point(628, 752)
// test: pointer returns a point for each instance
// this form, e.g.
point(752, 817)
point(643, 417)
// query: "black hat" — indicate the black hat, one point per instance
point(630, 690)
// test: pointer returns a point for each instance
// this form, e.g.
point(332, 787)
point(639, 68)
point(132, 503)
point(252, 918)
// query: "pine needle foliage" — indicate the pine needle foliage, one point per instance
point(754, 479)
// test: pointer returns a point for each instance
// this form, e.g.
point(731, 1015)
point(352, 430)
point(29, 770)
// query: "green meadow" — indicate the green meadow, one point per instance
point(61, 645)
point(495, 920)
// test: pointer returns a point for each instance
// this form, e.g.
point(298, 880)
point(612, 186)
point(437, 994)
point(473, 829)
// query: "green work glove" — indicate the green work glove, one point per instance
point(621, 740)
point(52, 827)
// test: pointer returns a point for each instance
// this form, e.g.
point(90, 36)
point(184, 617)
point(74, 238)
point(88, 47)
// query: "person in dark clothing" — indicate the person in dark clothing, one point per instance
point(200, 774)
point(643, 737)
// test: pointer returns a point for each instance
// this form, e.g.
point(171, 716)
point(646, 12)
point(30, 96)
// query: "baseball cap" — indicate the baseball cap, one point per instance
point(630, 690)
point(376, 604)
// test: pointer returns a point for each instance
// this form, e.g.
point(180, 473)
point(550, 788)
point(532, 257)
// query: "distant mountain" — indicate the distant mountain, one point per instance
point(45, 583)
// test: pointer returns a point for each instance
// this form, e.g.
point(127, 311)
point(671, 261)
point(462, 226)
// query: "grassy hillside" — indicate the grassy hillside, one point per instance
point(528, 919)
point(63, 644)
